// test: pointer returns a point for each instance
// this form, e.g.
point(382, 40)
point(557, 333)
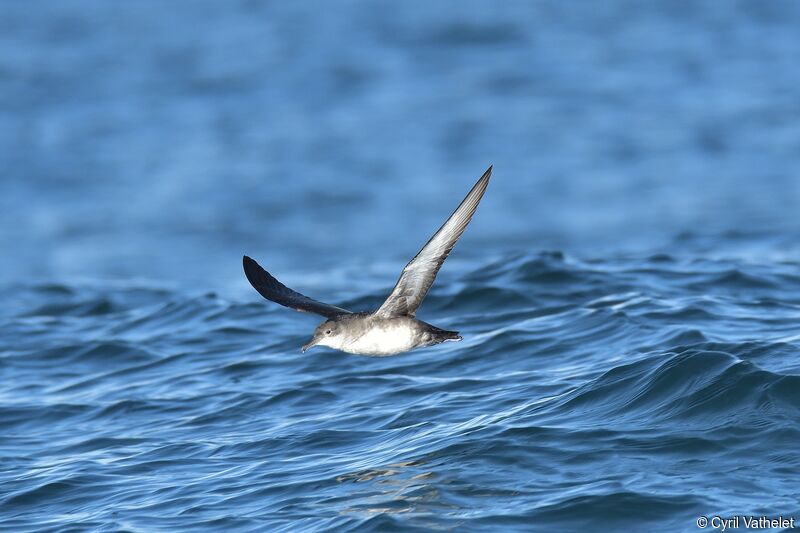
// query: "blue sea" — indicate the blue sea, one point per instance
point(628, 291)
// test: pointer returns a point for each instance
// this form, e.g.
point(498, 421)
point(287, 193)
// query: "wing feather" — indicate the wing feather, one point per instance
point(419, 274)
point(275, 291)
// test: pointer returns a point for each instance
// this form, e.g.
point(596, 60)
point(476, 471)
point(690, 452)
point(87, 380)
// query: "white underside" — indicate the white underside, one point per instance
point(388, 340)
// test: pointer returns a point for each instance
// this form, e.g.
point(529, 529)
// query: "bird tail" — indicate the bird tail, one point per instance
point(444, 335)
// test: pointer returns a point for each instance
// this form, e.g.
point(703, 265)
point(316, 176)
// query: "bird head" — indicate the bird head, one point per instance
point(325, 335)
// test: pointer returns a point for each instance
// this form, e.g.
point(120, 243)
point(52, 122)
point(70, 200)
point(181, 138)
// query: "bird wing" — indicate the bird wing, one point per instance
point(273, 290)
point(418, 275)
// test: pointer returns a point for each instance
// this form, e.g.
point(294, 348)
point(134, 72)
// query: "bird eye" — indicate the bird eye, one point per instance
point(328, 332)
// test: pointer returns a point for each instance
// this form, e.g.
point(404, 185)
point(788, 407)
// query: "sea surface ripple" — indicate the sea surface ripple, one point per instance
point(586, 392)
point(640, 374)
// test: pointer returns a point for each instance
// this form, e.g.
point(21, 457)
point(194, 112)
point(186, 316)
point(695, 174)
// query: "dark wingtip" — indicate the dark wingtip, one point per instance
point(249, 262)
point(487, 174)
point(251, 270)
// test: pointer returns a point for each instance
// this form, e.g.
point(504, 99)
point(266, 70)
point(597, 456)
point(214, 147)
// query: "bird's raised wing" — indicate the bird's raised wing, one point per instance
point(275, 291)
point(418, 275)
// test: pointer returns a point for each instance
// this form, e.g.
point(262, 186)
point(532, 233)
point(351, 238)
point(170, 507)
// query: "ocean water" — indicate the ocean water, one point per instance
point(628, 292)
point(605, 393)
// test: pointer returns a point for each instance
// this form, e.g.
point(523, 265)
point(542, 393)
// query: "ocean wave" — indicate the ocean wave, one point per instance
point(584, 391)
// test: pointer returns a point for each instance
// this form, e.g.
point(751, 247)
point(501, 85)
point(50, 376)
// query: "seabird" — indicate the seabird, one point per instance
point(393, 328)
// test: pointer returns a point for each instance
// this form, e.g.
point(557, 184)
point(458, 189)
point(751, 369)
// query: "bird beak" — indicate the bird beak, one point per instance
point(310, 343)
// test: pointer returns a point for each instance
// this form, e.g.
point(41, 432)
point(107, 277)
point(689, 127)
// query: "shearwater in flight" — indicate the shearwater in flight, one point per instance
point(393, 328)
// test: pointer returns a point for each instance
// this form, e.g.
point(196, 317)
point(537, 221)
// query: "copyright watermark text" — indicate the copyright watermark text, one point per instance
point(723, 523)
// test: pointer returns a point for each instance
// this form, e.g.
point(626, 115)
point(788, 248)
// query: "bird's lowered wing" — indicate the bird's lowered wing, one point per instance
point(418, 275)
point(273, 290)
